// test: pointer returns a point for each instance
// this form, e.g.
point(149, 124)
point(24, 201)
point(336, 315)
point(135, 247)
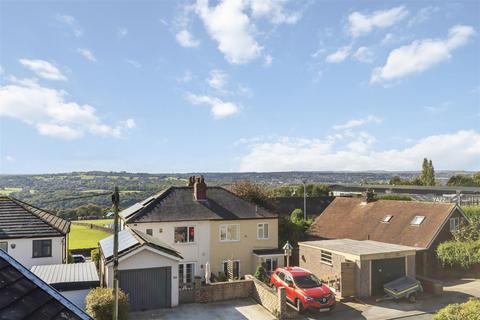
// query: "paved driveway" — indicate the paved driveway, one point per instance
point(242, 309)
point(455, 291)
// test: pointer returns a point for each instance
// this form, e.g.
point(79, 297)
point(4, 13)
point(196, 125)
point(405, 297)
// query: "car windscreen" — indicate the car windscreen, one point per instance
point(307, 281)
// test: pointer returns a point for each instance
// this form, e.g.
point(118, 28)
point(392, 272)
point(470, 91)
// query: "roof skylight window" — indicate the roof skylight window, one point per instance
point(387, 218)
point(417, 220)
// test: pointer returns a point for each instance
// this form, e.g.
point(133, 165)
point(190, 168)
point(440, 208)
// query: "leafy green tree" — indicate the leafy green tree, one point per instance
point(297, 216)
point(464, 180)
point(251, 192)
point(99, 304)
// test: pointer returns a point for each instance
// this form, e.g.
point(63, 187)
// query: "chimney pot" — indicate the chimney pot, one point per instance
point(191, 181)
point(200, 189)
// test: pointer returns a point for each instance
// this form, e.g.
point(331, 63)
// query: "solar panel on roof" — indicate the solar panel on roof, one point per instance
point(131, 210)
point(126, 240)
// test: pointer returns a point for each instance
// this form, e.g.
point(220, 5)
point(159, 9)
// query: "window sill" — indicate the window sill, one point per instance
point(230, 240)
point(263, 238)
point(328, 264)
point(184, 243)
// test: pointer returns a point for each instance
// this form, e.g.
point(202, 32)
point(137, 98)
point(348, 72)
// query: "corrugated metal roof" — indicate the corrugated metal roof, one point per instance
point(126, 240)
point(62, 273)
point(26, 296)
point(21, 220)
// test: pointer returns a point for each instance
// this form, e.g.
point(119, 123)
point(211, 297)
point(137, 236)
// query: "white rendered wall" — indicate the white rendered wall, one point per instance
point(23, 251)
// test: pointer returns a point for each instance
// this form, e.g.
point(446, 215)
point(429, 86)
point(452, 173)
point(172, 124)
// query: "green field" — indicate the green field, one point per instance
point(99, 222)
point(7, 191)
point(81, 237)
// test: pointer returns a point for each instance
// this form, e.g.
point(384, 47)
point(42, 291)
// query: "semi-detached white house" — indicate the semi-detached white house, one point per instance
point(208, 225)
point(30, 235)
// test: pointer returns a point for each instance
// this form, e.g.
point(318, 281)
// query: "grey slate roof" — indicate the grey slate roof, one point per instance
point(178, 204)
point(22, 220)
point(25, 296)
point(131, 239)
point(66, 276)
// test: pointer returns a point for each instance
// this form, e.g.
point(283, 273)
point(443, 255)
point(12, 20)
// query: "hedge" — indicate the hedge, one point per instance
point(460, 311)
point(99, 304)
point(459, 253)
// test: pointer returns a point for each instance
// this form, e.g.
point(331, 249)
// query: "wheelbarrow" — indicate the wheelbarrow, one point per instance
point(404, 287)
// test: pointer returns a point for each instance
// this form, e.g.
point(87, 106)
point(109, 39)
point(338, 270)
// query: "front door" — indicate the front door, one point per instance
point(386, 270)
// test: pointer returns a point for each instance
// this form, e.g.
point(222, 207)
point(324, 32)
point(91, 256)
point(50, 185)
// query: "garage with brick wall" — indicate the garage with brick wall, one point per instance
point(357, 268)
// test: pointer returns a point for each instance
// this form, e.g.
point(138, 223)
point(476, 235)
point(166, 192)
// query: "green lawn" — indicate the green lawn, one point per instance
point(7, 191)
point(81, 237)
point(100, 222)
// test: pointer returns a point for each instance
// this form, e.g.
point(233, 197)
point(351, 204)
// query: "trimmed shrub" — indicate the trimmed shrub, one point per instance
point(99, 304)
point(95, 255)
point(261, 274)
point(460, 311)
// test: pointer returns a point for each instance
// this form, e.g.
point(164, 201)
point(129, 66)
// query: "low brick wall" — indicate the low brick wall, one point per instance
point(431, 285)
point(218, 291)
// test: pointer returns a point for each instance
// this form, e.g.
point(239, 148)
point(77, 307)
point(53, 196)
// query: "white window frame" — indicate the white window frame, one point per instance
point(225, 226)
point(188, 235)
point(455, 225)
point(234, 260)
point(6, 245)
point(261, 227)
point(182, 284)
point(324, 257)
point(271, 263)
point(415, 218)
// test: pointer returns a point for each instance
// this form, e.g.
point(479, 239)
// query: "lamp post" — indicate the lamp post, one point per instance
point(287, 248)
point(304, 199)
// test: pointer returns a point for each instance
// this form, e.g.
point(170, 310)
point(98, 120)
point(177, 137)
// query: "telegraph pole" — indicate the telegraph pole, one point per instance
point(304, 199)
point(115, 202)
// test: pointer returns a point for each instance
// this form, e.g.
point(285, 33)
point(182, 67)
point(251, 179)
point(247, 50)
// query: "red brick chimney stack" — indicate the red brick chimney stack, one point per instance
point(200, 189)
point(191, 181)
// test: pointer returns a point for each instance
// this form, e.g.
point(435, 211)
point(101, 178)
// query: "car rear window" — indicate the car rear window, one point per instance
point(307, 281)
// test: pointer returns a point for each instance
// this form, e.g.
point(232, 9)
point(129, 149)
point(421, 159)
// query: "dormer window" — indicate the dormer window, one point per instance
point(417, 220)
point(387, 218)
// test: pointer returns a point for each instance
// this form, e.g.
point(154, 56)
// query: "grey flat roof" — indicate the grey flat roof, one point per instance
point(360, 248)
point(63, 273)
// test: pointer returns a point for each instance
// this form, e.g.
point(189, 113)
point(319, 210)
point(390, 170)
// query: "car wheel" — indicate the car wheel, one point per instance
point(300, 307)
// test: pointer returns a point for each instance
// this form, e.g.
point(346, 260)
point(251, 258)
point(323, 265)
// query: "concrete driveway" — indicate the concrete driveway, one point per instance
point(242, 309)
point(455, 291)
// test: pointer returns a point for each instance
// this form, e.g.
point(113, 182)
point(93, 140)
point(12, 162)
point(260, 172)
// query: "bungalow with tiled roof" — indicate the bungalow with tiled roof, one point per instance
point(31, 235)
point(423, 225)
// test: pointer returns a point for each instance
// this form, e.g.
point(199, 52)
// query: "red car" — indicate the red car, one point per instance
point(303, 289)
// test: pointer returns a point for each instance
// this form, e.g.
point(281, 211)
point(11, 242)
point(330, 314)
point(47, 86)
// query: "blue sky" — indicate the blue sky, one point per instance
point(239, 85)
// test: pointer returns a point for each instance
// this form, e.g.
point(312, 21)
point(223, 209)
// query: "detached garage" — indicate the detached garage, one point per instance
point(362, 267)
point(147, 269)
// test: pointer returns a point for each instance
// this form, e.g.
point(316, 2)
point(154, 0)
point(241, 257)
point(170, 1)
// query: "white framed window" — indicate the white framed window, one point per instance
point(186, 274)
point(149, 232)
point(236, 268)
point(262, 231)
point(4, 246)
point(271, 264)
point(417, 220)
point(42, 248)
point(326, 257)
point(184, 234)
point(230, 232)
point(454, 224)
point(387, 218)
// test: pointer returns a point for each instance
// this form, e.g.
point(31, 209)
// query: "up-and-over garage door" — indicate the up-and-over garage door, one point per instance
point(386, 270)
point(147, 288)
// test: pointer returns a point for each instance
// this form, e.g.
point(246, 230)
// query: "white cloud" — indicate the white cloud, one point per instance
point(274, 11)
point(186, 77)
point(87, 54)
point(460, 150)
point(43, 69)
point(186, 39)
point(358, 122)
point(422, 15)
point(421, 55)
point(71, 22)
point(338, 56)
point(218, 108)
point(48, 111)
point(245, 91)
point(133, 63)
point(217, 79)
point(231, 28)
point(122, 32)
point(267, 60)
point(360, 24)
point(364, 54)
